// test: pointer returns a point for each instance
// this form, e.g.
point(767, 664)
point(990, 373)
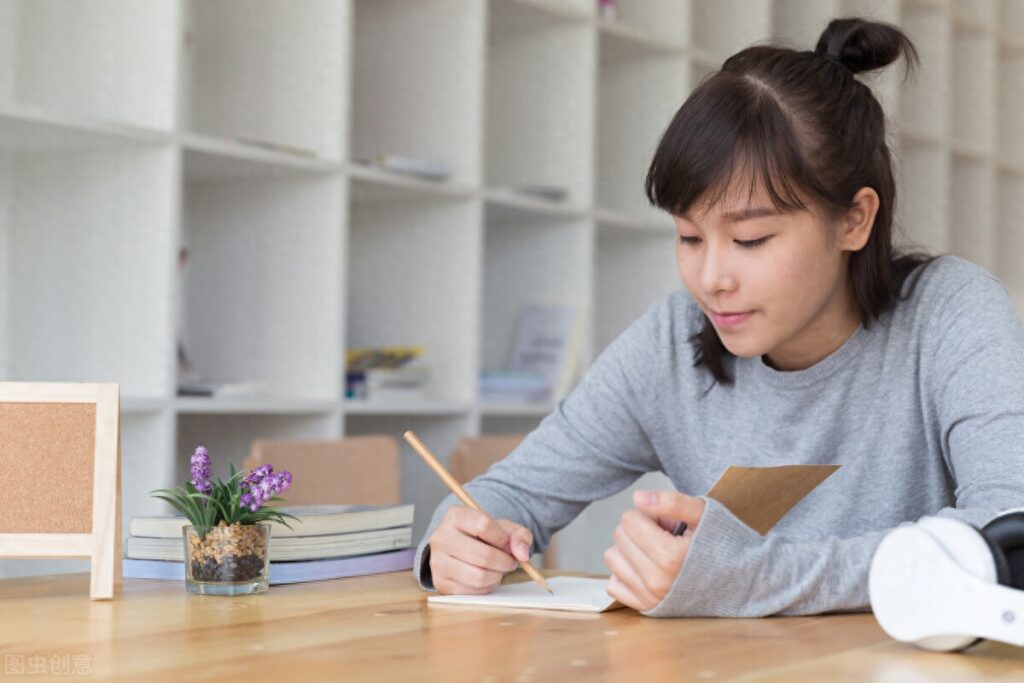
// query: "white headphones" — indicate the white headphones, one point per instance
point(944, 585)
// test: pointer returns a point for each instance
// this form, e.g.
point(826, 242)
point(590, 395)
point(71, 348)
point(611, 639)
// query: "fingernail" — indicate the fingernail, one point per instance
point(647, 497)
point(522, 551)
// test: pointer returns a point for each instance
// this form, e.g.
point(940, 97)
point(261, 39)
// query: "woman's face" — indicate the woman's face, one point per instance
point(780, 271)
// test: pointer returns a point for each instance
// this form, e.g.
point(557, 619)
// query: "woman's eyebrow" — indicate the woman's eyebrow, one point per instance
point(744, 214)
point(751, 212)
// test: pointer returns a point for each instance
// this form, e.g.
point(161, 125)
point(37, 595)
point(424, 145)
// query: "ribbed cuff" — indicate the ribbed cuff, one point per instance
point(718, 573)
point(421, 567)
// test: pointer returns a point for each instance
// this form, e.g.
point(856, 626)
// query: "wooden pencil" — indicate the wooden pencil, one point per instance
point(457, 489)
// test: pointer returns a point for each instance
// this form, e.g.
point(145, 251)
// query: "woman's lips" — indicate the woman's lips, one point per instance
point(729, 319)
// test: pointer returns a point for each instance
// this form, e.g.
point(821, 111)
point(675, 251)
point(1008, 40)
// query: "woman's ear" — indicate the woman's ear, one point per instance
point(858, 221)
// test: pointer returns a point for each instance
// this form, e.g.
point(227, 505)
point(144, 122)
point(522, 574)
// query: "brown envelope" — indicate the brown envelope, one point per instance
point(760, 496)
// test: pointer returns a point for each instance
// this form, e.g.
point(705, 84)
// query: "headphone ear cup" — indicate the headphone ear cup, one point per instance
point(975, 553)
point(1007, 533)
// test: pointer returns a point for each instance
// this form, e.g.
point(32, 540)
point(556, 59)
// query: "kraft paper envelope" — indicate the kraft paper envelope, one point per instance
point(759, 496)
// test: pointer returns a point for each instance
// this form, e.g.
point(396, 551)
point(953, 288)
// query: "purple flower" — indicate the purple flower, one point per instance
point(201, 472)
point(259, 474)
point(261, 485)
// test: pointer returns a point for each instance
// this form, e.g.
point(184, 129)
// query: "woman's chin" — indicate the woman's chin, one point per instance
point(744, 348)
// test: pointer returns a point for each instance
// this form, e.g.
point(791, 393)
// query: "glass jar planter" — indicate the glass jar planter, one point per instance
point(227, 559)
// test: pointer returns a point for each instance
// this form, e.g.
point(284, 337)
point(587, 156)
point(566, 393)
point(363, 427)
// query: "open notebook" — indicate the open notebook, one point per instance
point(575, 594)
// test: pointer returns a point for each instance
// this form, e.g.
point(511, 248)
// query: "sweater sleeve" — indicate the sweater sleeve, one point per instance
point(974, 384)
point(590, 447)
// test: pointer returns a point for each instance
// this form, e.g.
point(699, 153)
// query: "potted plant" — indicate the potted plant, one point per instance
point(227, 543)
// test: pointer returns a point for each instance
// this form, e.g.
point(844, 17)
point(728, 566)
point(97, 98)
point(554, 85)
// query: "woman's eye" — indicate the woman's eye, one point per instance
point(749, 244)
point(752, 243)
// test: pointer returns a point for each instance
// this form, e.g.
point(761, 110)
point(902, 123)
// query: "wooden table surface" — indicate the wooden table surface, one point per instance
point(380, 628)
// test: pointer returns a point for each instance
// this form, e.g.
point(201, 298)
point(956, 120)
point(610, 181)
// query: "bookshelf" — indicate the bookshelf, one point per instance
point(235, 129)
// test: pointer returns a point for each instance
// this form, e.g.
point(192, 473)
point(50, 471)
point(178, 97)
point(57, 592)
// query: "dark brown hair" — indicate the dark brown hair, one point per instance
point(801, 125)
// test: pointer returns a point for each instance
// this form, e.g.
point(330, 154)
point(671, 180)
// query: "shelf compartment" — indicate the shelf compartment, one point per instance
point(652, 22)
point(974, 209)
point(1011, 109)
point(86, 279)
point(269, 71)
point(113, 60)
point(1011, 237)
point(639, 92)
point(261, 287)
point(800, 22)
point(647, 263)
point(613, 221)
point(530, 260)
point(926, 104)
point(539, 102)
point(980, 15)
point(418, 82)
point(412, 281)
point(923, 192)
point(1011, 18)
point(148, 462)
point(975, 69)
point(724, 27)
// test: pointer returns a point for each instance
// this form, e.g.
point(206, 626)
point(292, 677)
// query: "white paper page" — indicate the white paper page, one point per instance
point(571, 593)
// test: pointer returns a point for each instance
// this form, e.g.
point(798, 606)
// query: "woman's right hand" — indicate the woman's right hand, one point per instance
point(470, 551)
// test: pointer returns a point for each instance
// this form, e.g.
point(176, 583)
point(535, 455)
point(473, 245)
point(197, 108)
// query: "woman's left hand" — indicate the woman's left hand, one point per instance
point(646, 557)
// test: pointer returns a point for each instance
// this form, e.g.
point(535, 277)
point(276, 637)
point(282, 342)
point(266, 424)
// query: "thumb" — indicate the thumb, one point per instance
point(672, 504)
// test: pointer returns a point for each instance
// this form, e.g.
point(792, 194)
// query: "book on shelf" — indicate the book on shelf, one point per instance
point(506, 386)
point(296, 571)
point(287, 547)
point(426, 169)
point(316, 520)
point(547, 342)
point(386, 373)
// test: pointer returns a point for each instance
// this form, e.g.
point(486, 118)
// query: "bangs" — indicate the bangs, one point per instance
point(730, 131)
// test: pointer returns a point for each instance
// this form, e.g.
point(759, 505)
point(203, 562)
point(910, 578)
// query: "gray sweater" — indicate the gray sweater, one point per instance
point(923, 410)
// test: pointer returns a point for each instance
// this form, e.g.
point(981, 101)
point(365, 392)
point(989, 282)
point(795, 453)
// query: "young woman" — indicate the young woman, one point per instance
point(800, 337)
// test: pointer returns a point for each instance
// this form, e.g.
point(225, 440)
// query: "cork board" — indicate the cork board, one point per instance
point(60, 453)
point(47, 457)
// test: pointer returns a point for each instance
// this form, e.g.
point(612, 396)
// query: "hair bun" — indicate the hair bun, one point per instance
point(862, 45)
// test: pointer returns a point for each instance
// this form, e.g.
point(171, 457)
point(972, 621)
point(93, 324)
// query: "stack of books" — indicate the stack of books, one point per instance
point(390, 373)
point(330, 542)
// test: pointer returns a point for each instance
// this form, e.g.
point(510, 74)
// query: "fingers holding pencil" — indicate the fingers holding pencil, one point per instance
point(507, 539)
point(470, 552)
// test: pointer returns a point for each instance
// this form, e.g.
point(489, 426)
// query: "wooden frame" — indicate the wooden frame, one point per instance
point(73, 432)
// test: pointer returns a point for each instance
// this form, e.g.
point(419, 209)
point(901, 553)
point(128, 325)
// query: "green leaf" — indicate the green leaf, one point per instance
point(183, 510)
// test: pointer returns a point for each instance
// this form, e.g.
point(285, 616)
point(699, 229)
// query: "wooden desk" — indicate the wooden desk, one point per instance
point(380, 628)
